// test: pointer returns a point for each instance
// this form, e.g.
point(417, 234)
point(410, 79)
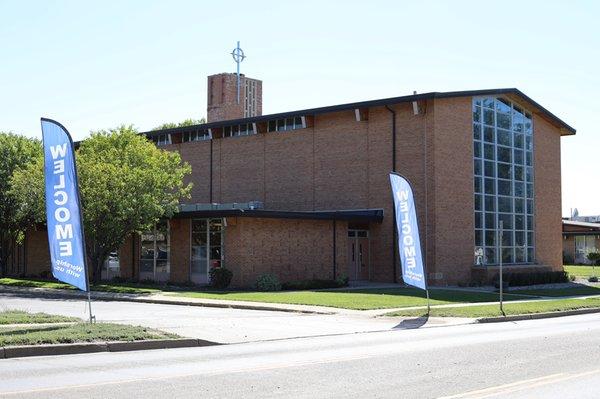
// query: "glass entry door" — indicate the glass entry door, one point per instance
point(359, 259)
point(207, 248)
point(155, 253)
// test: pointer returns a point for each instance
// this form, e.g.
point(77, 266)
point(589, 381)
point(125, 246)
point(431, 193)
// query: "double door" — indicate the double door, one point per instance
point(359, 259)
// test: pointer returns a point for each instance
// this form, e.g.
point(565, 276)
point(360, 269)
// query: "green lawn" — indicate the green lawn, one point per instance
point(360, 299)
point(509, 308)
point(583, 271)
point(117, 288)
point(21, 317)
point(581, 290)
point(81, 332)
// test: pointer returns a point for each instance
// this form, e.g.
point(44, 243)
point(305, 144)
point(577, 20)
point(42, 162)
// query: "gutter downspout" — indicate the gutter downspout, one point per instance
point(211, 172)
point(395, 233)
point(334, 249)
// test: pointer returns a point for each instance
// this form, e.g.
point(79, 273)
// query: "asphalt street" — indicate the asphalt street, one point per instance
point(550, 358)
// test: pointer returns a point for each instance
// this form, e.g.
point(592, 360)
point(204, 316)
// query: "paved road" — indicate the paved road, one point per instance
point(551, 358)
point(222, 325)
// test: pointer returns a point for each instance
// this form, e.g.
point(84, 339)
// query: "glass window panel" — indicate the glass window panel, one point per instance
point(490, 186)
point(528, 124)
point(504, 204)
point(476, 114)
point(530, 207)
point(519, 222)
point(519, 238)
point(477, 101)
point(490, 238)
point(272, 126)
point(477, 185)
point(216, 224)
point(489, 117)
point(351, 233)
point(297, 122)
point(503, 106)
point(503, 121)
point(519, 173)
point(529, 238)
point(507, 255)
point(529, 172)
point(490, 169)
point(504, 154)
point(529, 222)
point(519, 157)
point(507, 238)
point(478, 202)
point(215, 253)
point(520, 255)
point(519, 140)
point(490, 203)
point(504, 187)
point(528, 143)
point(507, 220)
point(477, 149)
point(504, 171)
point(488, 151)
point(280, 124)
point(529, 190)
point(490, 220)
point(477, 167)
point(488, 134)
point(488, 102)
point(490, 256)
point(478, 220)
point(504, 137)
point(289, 123)
point(518, 119)
point(530, 256)
point(477, 131)
point(478, 237)
point(528, 158)
point(519, 189)
point(519, 205)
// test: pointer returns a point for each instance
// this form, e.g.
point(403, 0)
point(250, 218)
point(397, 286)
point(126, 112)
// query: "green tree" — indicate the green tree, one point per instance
point(16, 152)
point(127, 184)
point(187, 122)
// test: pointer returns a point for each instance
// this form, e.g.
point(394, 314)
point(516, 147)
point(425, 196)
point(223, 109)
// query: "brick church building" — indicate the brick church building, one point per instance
point(306, 194)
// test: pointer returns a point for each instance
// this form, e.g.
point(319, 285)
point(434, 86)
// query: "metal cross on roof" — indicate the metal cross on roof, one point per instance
point(238, 57)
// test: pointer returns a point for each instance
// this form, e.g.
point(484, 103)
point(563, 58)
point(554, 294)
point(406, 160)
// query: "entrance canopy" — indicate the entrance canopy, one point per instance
point(354, 215)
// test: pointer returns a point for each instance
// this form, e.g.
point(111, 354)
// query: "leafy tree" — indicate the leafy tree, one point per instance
point(187, 122)
point(16, 152)
point(127, 184)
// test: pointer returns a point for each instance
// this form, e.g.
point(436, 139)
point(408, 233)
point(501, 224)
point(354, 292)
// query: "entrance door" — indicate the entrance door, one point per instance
point(359, 259)
point(207, 244)
point(155, 253)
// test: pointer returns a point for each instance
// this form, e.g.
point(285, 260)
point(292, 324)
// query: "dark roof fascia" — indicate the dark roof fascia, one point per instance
point(365, 215)
point(371, 103)
point(581, 233)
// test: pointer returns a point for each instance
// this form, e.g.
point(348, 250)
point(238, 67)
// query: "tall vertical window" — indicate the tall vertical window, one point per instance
point(503, 182)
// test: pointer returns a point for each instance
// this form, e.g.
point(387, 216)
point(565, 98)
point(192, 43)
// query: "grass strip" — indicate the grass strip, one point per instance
point(509, 309)
point(81, 332)
point(21, 317)
point(583, 271)
point(364, 299)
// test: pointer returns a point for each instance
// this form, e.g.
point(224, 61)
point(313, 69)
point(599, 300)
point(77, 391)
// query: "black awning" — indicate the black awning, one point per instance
point(356, 215)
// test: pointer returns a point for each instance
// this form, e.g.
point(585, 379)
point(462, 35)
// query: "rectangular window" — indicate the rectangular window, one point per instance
point(504, 174)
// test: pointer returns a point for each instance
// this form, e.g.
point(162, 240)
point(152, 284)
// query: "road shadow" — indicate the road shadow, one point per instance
point(409, 324)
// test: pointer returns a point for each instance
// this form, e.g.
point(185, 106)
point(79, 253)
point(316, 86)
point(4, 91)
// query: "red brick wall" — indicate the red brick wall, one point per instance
point(290, 249)
point(547, 185)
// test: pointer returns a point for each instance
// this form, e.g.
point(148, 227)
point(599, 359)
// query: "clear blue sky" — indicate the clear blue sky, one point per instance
point(94, 65)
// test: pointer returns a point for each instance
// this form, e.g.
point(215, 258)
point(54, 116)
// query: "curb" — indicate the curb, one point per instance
point(10, 352)
point(536, 316)
point(109, 297)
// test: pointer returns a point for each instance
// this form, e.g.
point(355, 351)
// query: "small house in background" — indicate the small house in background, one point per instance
point(579, 239)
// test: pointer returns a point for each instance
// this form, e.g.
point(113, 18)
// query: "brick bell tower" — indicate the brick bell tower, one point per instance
point(222, 103)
